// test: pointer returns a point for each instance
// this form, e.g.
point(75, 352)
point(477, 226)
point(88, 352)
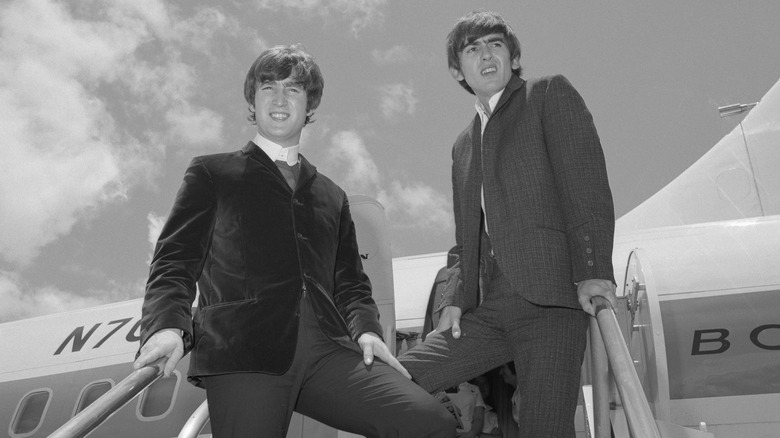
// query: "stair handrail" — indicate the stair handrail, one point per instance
point(640, 418)
point(106, 405)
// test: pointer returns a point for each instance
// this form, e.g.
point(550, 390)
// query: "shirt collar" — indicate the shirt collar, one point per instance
point(492, 102)
point(276, 152)
point(483, 114)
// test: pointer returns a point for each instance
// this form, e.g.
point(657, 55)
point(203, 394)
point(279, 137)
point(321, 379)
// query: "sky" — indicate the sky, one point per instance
point(104, 102)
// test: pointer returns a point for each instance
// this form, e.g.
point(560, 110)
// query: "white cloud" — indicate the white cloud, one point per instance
point(408, 204)
point(20, 301)
point(198, 31)
point(63, 152)
point(194, 125)
point(155, 18)
point(149, 15)
point(394, 55)
point(416, 205)
point(397, 99)
point(349, 159)
point(362, 13)
point(57, 155)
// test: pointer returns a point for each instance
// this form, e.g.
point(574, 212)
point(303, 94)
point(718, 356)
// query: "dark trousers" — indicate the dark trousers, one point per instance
point(547, 345)
point(328, 383)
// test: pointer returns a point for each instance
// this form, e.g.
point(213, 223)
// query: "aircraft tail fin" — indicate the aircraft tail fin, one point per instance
point(736, 179)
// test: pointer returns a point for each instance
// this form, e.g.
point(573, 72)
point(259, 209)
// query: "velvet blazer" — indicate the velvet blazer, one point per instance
point(255, 246)
point(549, 206)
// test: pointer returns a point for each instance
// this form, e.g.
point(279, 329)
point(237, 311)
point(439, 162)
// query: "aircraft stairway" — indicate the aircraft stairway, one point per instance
point(629, 391)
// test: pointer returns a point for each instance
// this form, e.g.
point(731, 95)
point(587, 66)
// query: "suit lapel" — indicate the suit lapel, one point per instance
point(475, 166)
point(473, 185)
point(473, 171)
point(254, 152)
point(308, 172)
point(515, 83)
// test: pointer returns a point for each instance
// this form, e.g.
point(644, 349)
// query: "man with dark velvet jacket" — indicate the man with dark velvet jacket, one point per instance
point(285, 319)
point(534, 225)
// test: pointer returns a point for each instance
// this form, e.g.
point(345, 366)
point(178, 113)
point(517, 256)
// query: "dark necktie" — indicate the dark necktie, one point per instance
point(290, 173)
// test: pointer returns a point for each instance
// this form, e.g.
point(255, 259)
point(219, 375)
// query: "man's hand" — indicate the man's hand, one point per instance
point(588, 289)
point(165, 343)
point(450, 317)
point(372, 346)
point(477, 422)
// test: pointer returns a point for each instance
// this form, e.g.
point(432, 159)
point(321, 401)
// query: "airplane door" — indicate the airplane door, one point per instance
point(374, 245)
point(643, 330)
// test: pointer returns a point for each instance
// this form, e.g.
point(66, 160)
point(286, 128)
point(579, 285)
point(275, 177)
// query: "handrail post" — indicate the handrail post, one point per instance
point(196, 421)
point(600, 380)
point(101, 409)
point(638, 414)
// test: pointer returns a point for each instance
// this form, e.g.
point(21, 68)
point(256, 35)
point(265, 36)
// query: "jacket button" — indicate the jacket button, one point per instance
point(587, 238)
point(590, 262)
point(297, 202)
point(588, 250)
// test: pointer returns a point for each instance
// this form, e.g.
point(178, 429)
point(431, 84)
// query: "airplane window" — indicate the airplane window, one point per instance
point(91, 393)
point(158, 398)
point(30, 413)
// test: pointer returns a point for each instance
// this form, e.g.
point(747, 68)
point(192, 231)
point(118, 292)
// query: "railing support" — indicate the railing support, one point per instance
point(196, 421)
point(638, 414)
point(95, 414)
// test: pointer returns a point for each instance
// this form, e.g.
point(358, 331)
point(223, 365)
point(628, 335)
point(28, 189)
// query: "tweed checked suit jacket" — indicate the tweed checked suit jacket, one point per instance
point(547, 198)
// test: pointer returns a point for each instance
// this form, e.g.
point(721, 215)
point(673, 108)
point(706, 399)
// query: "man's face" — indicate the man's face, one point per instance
point(280, 111)
point(486, 66)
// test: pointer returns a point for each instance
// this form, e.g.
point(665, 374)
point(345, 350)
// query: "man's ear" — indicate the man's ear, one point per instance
point(457, 74)
point(515, 63)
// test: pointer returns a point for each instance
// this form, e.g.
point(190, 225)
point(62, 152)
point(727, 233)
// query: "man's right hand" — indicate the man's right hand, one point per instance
point(450, 318)
point(165, 343)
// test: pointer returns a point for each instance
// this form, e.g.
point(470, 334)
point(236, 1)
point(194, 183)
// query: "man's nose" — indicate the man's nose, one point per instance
point(486, 53)
point(279, 97)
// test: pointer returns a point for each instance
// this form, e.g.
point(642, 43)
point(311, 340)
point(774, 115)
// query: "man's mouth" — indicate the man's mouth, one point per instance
point(279, 116)
point(491, 69)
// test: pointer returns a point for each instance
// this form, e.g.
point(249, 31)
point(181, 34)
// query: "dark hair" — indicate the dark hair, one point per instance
point(473, 26)
point(282, 62)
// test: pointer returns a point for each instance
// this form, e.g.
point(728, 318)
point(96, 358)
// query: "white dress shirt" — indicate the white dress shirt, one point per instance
point(276, 152)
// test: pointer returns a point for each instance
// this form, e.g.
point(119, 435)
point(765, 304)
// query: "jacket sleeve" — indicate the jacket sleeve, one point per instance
point(580, 173)
point(352, 288)
point(179, 256)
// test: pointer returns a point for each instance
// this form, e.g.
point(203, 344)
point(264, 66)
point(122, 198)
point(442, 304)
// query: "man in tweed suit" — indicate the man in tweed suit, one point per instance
point(534, 217)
